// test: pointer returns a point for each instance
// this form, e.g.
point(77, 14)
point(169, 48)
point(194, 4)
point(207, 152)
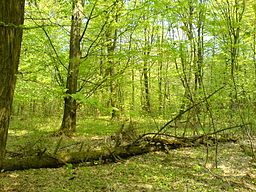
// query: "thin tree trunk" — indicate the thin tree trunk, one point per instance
point(11, 17)
point(111, 36)
point(160, 71)
point(145, 73)
point(147, 106)
point(233, 13)
point(132, 105)
point(68, 125)
point(200, 47)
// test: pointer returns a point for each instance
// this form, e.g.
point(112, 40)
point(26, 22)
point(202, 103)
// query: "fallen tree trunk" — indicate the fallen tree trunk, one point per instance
point(60, 159)
point(148, 144)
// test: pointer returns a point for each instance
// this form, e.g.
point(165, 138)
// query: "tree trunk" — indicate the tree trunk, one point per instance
point(147, 105)
point(145, 72)
point(160, 71)
point(11, 17)
point(111, 36)
point(68, 125)
point(200, 49)
point(145, 145)
point(99, 156)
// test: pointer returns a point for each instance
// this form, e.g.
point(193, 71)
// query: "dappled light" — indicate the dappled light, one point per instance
point(127, 95)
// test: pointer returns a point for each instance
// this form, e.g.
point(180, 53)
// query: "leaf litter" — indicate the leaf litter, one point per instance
point(184, 169)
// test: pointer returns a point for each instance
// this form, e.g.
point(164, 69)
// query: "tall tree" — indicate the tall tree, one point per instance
point(148, 38)
point(111, 38)
point(69, 117)
point(233, 15)
point(11, 19)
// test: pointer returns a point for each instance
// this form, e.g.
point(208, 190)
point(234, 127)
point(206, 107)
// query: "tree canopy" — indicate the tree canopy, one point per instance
point(136, 57)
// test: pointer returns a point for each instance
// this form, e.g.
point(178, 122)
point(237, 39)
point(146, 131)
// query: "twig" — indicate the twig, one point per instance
point(218, 176)
point(81, 147)
point(58, 146)
point(221, 130)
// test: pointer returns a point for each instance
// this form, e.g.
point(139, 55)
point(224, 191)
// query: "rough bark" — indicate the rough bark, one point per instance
point(141, 146)
point(11, 17)
point(68, 125)
point(51, 161)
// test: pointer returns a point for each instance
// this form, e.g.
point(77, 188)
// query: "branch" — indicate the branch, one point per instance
point(88, 21)
point(91, 45)
point(55, 51)
point(221, 130)
point(188, 109)
point(100, 32)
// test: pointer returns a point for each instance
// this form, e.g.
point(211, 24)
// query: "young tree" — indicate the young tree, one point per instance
point(233, 13)
point(111, 38)
point(11, 19)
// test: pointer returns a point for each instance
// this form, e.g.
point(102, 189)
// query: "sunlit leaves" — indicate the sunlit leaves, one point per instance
point(165, 34)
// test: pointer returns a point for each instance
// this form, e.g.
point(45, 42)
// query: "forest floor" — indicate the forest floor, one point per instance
point(184, 169)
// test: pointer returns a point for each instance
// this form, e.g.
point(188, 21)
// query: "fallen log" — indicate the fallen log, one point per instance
point(60, 159)
point(148, 144)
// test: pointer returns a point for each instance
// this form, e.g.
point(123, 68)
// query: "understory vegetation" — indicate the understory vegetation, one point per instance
point(183, 169)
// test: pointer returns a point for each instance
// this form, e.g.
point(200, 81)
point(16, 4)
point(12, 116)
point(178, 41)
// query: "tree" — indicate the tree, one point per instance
point(11, 19)
point(111, 43)
point(69, 117)
point(233, 12)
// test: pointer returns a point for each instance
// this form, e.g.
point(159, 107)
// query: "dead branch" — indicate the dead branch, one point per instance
point(43, 159)
point(188, 109)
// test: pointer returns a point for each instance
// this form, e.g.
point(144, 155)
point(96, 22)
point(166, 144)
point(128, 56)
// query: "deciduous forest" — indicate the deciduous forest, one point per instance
point(127, 95)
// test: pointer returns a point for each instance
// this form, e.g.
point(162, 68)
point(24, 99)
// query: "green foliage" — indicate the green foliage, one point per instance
point(168, 55)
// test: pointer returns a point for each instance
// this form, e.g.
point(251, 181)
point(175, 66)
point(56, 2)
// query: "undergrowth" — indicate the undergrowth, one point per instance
point(185, 169)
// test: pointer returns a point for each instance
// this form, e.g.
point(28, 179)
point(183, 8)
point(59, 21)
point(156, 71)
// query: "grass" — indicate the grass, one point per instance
point(181, 170)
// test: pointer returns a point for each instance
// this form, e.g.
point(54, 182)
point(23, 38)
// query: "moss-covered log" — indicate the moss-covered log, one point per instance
point(146, 145)
point(60, 159)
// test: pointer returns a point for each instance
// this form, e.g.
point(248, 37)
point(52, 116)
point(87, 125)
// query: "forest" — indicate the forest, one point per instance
point(127, 95)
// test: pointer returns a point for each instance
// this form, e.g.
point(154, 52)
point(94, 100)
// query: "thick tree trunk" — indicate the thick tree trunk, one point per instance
point(146, 145)
point(68, 125)
point(11, 17)
point(99, 156)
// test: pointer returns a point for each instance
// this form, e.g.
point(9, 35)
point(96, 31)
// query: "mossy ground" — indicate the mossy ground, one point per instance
point(184, 169)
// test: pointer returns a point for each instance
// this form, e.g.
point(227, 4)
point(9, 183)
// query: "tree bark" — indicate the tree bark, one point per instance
point(68, 125)
point(145, 72)
point(111, 36)
point(93, 157)
point(11, 17)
